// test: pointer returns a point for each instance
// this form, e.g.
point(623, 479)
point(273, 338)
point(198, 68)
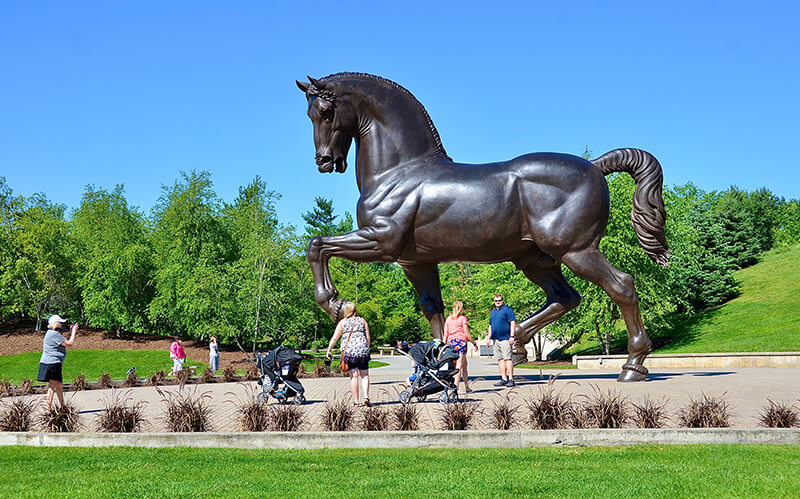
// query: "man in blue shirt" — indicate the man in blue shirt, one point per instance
point(502, 325)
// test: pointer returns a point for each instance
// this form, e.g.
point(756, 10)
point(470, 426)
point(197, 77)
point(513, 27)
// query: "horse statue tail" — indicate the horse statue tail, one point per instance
point(648, 215)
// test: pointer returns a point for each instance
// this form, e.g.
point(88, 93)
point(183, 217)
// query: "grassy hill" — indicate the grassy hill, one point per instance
point(765, 317)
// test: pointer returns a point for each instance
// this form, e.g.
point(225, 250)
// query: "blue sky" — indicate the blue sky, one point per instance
point(131, 93)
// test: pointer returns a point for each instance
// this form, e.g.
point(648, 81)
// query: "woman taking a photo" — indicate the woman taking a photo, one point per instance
point(354, 333)
point(456, 334)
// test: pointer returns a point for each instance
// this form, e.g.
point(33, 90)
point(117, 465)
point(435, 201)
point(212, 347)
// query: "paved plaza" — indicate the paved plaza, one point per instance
point(746, 390)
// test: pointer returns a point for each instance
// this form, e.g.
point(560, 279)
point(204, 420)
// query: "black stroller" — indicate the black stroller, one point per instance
point(435, 369)
point(279, 367)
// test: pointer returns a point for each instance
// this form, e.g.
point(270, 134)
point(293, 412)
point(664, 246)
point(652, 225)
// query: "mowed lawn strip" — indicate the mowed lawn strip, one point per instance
point(638, 471)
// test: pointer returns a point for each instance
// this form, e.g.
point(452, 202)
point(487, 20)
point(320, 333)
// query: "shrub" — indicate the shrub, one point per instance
point(105, 380)
point(503, 414)
point(121, 416)
point(301, 371)
point(17, 415)
point(5, 387)
point(156, 378)
point(406, 417)
point(208, 376)
point(186, 411)
point(79, 383)
point(649, 414)
point(548, 409)
point(182, 376)
point(338, 414)
point(253, 373)
point(458, 415)
point(286, 417)
point(60, 418)
point(25, 387)
point(251, 413)
point(578, 417)
point(375, 418)
point(228, 374)
point(321, 370)
point(131, 380)
point(705, 412)
point(606, 409)
point(777, 415)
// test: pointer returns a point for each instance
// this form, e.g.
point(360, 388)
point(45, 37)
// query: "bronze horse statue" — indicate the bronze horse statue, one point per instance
point(419, 208)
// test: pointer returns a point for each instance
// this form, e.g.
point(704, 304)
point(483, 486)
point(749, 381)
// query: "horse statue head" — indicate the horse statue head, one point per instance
point(334, 123)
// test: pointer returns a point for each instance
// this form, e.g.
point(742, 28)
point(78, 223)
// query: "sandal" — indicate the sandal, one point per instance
point(468, 390)
point(355, 404)
point(367, 403)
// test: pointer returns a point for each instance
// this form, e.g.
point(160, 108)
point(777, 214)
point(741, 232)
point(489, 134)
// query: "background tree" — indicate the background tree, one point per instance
point(112, 255)
point(192, 247)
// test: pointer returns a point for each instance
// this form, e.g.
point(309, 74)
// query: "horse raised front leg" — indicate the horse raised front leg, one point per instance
point(592, 265)
point(368, 244)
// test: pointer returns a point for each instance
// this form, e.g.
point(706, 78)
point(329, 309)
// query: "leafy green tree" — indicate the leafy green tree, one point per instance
point(112, 254)
point(38, 276)
point(787, 223)
point(191, 247)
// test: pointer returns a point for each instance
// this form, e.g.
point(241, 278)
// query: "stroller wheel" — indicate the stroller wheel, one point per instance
point(263, 397)
point(453, 397)
point(405, 397)
point(444, 398)
point(299, 400)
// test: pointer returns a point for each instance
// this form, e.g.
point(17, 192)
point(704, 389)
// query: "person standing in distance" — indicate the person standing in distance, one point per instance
point(54, 352)
point(502, 326)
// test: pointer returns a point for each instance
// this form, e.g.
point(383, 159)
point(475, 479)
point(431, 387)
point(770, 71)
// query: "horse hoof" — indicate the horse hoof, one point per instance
point(628, 375)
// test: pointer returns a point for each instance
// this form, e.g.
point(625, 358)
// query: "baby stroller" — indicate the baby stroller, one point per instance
point(279, 367)
point(435, 370)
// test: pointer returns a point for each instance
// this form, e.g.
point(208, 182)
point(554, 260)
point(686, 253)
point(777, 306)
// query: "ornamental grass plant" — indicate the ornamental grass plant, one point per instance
point(286, 417)
point(606, 409)
point(504, 413)
point(375, 418)
point(17, 415)
point(121, 415)
point(60, 418)
point(706, 412)
point(79, 383)
point(779, 415)
point(649, 413)
point(186, 410)
point(458, 415)
point(252, 413)
point(338, 414)
point(405, 417)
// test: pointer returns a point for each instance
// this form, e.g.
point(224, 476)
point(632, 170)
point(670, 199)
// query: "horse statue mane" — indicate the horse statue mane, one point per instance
point(349, 75)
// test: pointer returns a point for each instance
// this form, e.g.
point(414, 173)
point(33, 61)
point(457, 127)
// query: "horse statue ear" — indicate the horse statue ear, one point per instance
point(318, 84)
point(303, 86)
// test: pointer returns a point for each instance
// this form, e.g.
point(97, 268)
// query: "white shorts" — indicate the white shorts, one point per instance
point(177, 365)
point(502, 350)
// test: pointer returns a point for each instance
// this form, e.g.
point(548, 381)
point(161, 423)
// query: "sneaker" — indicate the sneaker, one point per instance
point(502, 382)
point(510, 382)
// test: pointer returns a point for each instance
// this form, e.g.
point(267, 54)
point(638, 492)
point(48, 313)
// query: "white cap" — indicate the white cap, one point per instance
point(54, 319)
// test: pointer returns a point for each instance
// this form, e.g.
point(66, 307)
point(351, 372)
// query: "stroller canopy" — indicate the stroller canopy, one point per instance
point(432, 354)
point(281, 356)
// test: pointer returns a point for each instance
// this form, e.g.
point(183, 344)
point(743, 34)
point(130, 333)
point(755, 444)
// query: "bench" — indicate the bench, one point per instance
point(385, 350)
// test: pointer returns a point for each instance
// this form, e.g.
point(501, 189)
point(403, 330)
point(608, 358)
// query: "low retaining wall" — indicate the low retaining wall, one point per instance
point(412, 439)
point(694, 360)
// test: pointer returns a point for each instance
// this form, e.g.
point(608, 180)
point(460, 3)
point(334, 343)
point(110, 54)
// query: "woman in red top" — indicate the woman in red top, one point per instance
point(456, 334)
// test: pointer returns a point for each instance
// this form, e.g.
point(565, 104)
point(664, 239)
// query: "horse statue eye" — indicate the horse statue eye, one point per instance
point(327, 113)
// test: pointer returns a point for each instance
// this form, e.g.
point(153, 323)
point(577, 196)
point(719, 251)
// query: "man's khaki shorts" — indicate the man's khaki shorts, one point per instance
point(502, 350)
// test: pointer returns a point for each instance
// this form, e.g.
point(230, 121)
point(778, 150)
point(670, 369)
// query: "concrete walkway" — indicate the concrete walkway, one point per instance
point(746, 391)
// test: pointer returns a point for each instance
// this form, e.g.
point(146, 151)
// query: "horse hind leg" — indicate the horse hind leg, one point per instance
point(425, 279)
point(561, 298)
point(592, 265)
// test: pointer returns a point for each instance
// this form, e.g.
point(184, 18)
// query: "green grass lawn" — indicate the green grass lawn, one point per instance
point(765, 317)
point(92, 363)
point(534, 365)
point(639, 471)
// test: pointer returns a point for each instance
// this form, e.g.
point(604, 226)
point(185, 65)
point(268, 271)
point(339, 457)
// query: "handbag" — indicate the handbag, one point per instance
point(343, 363)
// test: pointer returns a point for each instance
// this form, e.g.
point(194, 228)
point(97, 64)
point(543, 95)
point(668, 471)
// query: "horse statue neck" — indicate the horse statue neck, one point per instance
point(393, 130)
